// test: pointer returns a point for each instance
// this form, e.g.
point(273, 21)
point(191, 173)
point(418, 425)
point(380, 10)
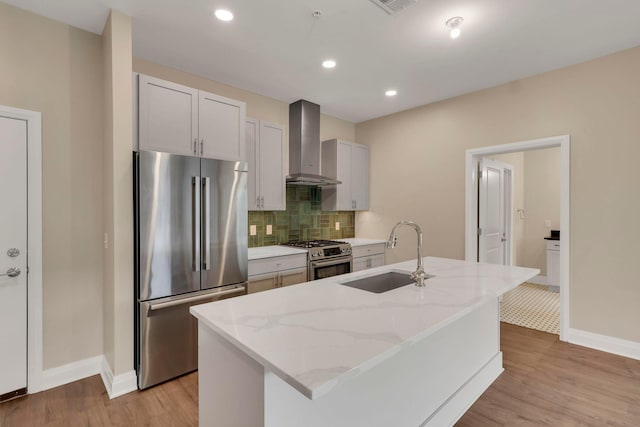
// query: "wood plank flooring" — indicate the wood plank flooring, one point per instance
point(551, 383)
point(545, 383)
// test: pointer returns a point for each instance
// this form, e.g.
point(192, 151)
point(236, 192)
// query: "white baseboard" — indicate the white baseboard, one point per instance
point(71, 372)
point(538, 280)
point(120, 384)
point(606, 343)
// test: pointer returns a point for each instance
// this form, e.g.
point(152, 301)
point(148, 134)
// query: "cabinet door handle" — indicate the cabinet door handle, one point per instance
point(195, 146)
point(201, 146)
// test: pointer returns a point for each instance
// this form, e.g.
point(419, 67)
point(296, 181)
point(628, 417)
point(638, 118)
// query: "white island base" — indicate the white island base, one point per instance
point(428, 382)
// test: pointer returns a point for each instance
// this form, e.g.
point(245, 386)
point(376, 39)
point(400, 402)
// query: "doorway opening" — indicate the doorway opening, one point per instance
point(496, 241)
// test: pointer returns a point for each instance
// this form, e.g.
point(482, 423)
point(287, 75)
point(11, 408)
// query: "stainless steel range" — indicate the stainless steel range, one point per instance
point(325, 258)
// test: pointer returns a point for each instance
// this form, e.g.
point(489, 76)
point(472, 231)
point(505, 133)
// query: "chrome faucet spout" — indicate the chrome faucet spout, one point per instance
point(418, 275)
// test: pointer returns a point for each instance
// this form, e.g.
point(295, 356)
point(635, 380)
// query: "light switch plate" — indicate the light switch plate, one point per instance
point(252, 230)
point(337, 226)
point(269, 229)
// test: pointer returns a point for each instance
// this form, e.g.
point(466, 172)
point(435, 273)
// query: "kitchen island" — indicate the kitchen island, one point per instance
point(325, 354)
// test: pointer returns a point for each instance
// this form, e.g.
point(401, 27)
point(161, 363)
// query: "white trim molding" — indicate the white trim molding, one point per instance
point(606, 343)
point(120, 384)
point(34, 242)
point(70, 372)
point(472, 158)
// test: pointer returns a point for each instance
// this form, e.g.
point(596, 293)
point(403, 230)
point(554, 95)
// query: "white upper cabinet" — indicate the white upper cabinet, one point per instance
point(265, 157)
point(181, 120)
point(168, 119)
point(360, 176)
point(347, 162)
point(221, 127)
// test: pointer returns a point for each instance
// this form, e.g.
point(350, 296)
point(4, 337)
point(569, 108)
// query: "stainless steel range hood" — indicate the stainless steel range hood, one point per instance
point(304, 145)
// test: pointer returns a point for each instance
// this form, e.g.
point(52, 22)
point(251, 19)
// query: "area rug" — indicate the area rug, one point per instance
point(532, 306)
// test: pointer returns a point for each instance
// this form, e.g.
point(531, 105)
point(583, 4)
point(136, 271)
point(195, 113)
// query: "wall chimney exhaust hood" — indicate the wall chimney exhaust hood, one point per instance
point(304, 145)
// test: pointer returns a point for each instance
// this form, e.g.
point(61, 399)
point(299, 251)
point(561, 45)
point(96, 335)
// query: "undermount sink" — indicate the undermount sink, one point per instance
point(382, 282)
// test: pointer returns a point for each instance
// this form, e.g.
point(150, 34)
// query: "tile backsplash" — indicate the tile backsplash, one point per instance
point(303, 220)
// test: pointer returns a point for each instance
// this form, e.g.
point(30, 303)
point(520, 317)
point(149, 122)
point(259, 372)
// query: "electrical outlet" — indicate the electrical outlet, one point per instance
point(106, 240)
point(337, 226)
point(547, 223)
point(252, 230)
point(269, 229)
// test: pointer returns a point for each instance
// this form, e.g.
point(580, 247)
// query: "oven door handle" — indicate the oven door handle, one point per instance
point(335, 261)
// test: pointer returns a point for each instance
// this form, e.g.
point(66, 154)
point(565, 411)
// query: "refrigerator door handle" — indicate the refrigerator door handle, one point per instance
point(195, 219)
point(206, 223)
point(240, 290)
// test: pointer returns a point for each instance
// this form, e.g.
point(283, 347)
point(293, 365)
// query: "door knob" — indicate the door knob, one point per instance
point(12, 272)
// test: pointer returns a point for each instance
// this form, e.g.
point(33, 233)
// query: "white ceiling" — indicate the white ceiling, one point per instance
point(275, 47)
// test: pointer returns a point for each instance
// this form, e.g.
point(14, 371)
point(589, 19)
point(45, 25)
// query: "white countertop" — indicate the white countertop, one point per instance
point(273, 251)
point(357, 241)
point(315, 335)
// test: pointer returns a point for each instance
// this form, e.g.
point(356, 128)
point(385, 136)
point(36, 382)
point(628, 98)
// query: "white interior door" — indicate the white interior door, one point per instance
point(491, 213)
point(13, 257)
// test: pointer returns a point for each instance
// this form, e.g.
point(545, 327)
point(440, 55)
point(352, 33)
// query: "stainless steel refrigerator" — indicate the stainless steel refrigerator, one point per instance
point(190, 248)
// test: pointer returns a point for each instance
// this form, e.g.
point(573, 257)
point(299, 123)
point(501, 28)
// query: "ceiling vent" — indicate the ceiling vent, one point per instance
point(393, 6)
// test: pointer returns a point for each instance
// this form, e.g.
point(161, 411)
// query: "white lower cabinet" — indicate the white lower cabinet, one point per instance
point(553, 264)
point(276, 272)
point(368, 256)
point(293, 277)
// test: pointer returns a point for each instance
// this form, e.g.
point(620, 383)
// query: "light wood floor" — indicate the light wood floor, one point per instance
point(546, 382)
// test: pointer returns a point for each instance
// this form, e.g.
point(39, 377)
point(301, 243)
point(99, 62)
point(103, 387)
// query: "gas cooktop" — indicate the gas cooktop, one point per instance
point(307, 244)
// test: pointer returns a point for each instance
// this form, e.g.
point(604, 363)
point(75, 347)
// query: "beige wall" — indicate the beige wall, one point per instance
point(542, 202)
point(516, 160)
point(258, 106)
point(417, 172)
point(50, 67)
point(118, 194)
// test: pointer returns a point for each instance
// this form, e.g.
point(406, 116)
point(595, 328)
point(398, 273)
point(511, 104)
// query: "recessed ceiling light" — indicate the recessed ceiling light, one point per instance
point(454, 24)
point(329, 63)
point(224, 15)
point(391, 92)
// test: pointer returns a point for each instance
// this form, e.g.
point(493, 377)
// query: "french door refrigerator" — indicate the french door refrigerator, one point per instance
point(190, 248)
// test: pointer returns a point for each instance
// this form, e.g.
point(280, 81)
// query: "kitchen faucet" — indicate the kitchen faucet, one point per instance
point(418, 275)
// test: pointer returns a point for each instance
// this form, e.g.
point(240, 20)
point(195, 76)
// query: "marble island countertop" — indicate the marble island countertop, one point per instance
point(317, 334)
